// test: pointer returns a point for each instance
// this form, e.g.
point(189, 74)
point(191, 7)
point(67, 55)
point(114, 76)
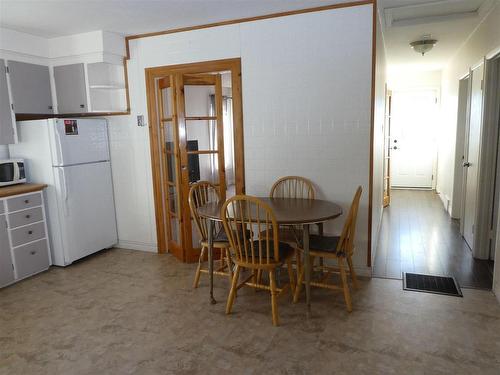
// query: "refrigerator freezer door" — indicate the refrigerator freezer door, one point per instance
point(78, 141)
point(86, 209)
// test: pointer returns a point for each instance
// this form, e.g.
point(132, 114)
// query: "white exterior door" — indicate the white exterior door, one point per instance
point(86, 209)
point(472, 155)
point(413, 138)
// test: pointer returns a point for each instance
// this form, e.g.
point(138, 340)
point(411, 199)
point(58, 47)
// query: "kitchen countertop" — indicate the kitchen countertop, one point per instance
point(8, 191)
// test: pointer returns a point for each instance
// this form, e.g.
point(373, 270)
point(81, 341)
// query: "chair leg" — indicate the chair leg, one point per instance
point(300, 279)
point(232, 292)
point(298, 260)
point(198, 269)
point(353, 273)
point(274, 297)
point(345, 285)
point(229, 264)
point(291, 276)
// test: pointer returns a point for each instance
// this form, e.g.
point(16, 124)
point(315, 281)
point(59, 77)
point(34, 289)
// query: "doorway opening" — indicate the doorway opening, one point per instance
point(417, 234)
point(196, 133)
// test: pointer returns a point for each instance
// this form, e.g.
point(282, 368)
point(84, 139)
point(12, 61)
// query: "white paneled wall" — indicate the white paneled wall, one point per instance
point(306, 105)
point(131, 163)
point(306, 83)
point(130, 151)
point(4, 152)
point(484, 40)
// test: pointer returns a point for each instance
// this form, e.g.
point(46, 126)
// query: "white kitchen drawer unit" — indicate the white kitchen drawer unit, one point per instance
point(24, 201)
point(30, 259)
point(25, 217)
point(6, 267)
point(24, 242)
point(29, 233)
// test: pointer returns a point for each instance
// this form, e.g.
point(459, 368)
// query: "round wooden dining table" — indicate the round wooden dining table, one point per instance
point(288, 211)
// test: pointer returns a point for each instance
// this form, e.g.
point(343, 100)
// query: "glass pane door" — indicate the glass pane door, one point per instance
point(191, 113)
point(387, 150)
point(170, 162)
point(201, 137)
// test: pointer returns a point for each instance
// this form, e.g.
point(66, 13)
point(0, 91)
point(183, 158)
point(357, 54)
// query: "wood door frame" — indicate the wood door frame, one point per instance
point(386, 199)
point(151, 75)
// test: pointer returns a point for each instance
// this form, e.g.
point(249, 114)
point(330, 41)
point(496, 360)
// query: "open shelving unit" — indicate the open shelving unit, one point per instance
point(107, 88)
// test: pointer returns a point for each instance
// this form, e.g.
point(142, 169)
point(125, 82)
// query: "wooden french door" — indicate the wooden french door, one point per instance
point(192, 147)
point(387, 150)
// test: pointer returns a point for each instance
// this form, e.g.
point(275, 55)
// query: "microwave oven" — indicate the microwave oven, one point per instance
point(12, 172)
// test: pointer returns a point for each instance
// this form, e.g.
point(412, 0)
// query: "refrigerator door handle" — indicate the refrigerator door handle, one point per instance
point(65, 192)
point(59, 145)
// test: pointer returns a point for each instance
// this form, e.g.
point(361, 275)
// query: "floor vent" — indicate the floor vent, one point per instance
point(431, 284)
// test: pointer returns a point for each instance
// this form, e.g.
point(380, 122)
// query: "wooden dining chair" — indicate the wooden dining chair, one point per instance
point(261, 252)
point(292, 187)
point(338, 248)
point(201, 193)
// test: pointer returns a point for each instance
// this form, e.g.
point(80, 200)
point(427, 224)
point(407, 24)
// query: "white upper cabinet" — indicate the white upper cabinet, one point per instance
point(30, 88)
point(93, 87)
point(71, 88)
point(7, 123)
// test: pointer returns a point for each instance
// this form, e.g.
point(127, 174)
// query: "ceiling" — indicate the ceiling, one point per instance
point(449, 21)
point(65, 17)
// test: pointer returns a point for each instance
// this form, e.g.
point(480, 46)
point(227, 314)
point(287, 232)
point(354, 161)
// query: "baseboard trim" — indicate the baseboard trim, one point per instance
point(377, 237)
point(446, 202)
point(140, 246)
point(363, 271)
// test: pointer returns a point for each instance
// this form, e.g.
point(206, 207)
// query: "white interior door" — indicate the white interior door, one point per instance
point(471, 160)
point(413, 138)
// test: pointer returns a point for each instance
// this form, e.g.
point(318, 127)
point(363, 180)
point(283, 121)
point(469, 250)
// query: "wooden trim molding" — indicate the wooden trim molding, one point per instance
point(246, 19)
point(125, 72)
point(372, 133)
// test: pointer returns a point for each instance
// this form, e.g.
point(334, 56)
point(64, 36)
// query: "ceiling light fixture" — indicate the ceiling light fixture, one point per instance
point(423, 46)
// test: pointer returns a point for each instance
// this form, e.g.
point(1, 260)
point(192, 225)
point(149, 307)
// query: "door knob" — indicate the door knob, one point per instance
point(466, 164)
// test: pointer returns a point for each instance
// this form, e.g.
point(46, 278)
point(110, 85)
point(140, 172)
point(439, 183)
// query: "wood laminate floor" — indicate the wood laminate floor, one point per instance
point(417, 235)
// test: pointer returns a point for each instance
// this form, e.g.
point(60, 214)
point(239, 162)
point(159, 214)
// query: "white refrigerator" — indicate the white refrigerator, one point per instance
point(71, 156)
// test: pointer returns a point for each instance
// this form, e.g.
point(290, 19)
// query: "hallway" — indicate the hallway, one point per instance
point(417, 235)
